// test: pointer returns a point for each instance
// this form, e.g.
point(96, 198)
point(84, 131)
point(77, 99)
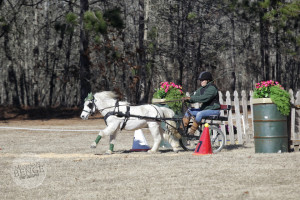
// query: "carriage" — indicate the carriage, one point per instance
point(119, 115)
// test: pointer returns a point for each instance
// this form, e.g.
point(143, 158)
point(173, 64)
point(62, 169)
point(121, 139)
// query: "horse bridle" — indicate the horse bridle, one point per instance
point(90, 105)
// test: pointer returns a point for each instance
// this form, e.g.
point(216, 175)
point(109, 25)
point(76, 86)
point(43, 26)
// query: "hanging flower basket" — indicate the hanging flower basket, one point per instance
point(168, 93)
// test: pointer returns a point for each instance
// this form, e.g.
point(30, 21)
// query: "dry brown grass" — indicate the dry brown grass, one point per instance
point(74, 171)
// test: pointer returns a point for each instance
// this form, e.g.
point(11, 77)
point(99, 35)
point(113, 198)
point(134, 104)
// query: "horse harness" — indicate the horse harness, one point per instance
point(126, 115)
point(119, 114)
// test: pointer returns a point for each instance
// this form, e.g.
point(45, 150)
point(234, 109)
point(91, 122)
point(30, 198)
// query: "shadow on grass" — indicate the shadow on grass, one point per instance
point(11, 113)
point(235, 146)
point(161, 151)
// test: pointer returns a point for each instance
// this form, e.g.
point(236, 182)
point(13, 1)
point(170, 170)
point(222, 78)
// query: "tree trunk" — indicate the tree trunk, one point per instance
point(85, 86)
point(235, 79)
point(141, 93)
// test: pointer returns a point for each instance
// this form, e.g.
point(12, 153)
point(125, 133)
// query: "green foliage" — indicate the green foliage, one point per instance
point(98, 39)
point(270, 15)
point(298, 40)
point(273, 90)
point(281, 98)
point(232, 5)
point(283, 16)
point(262, 92)
point(149, 66)
point(176, 106)
point(71, 18)
point(265, 4)
point(93, 21)
point(116, 55)
point(291, 52)
point(4, 25)
point(152, 33)
point(151, 48)
point(113, 17)
point(281, 12)
point(171, 92)
point(98, 23)
point(159, 94)
point(68, 25)
point(133, 71)
point(192, 16)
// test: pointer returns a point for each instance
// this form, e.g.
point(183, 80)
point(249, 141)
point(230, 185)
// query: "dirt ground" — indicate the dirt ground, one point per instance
point(51, 159)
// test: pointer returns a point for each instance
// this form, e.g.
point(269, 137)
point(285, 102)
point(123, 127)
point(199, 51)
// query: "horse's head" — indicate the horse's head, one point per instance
point(89, 106)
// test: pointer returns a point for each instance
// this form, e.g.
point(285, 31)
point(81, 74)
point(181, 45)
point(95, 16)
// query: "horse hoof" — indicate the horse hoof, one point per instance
point(108, 152)
point(93, 145)
point(151, 151)
point(175, 150)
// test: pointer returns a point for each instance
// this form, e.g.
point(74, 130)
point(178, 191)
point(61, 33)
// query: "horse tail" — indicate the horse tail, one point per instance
point(171, 134)
point(171, 124)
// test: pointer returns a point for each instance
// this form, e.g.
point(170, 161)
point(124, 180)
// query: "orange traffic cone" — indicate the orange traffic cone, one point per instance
point(204, 145)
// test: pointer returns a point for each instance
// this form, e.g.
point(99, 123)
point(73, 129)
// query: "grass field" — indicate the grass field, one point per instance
point(64, 167)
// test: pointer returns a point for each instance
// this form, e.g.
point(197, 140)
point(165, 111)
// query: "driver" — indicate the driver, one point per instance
point(208, 95)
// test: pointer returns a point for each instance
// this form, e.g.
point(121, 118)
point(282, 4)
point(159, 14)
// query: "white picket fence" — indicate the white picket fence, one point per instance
point(240, 117)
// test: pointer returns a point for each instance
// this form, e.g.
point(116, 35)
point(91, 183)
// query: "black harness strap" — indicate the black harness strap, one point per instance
point(117, 106)
point(112, 112)
point(119, 114)
point(107, 115)
point(127, 115)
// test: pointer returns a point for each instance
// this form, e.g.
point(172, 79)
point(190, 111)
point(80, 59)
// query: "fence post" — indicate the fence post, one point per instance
point(251, 108)
point(238, 117)
point(223, 128)
point(292, 116)
point(297, 117)
point(291, 120)
point(230, 124)
point(245, 114)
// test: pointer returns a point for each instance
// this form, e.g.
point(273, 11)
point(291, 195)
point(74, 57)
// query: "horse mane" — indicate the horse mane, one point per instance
point(110, 95)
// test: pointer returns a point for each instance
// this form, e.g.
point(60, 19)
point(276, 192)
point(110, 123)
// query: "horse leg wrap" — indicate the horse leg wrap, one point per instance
point(98, 139)
point(111, 147)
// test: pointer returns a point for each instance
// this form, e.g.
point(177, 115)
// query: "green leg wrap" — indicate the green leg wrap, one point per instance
point(111, 147)
point(98, 139)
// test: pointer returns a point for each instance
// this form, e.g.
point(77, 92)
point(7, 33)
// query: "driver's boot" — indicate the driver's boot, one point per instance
point(186, 121)
point(193, 128)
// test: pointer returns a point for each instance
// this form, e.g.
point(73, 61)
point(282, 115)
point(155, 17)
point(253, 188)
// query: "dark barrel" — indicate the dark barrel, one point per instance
point(270, 129)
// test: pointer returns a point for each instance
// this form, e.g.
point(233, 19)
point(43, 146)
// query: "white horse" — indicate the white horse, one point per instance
point(119, 115)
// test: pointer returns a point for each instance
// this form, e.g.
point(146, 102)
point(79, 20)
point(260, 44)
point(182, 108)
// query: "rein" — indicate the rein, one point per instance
point(100, 110)
point(175, 100)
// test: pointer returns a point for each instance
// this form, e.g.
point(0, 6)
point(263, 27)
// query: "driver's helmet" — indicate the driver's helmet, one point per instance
point(205, 76)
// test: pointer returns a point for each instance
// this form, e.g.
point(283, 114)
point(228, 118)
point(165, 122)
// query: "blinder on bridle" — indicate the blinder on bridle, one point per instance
point(91, 105)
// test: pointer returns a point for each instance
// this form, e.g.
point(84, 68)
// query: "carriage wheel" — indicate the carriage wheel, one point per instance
point(217, 139)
